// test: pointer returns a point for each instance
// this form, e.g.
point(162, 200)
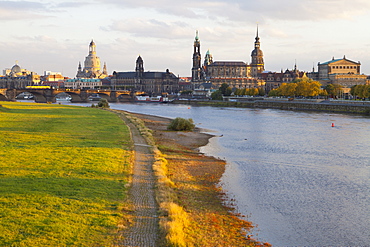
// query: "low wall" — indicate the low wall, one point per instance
point(359, 108)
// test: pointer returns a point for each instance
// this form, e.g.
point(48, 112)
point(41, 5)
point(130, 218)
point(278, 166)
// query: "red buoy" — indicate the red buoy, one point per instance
point(332, 125)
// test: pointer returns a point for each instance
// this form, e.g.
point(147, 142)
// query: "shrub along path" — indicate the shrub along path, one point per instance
point(144, 230)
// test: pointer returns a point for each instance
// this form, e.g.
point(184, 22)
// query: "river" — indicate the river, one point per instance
point(301, 181)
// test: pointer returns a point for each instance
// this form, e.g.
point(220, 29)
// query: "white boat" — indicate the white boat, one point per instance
point(146, 98)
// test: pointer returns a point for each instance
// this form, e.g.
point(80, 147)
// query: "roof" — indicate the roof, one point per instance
point(332, 61)
point(337, 60)
point(228, 63)
point(125, 75)
point(146, 75)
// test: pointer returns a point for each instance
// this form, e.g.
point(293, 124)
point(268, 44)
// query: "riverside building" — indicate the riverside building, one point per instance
point(153, 83)
point(237, 74)
point(16, 77)
point(339, 71)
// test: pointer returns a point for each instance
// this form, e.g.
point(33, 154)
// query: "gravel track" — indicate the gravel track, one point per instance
point(144, 230)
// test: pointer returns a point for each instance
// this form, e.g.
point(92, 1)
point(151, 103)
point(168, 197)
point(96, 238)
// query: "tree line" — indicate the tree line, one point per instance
point(304, 87)
point(360, 91)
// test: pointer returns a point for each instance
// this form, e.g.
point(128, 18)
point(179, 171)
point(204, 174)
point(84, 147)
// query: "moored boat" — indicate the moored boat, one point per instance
point(146, 98)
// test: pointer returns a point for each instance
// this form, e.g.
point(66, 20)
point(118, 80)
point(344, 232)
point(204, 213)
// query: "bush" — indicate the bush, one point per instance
point(103, 103)
point(181, 124)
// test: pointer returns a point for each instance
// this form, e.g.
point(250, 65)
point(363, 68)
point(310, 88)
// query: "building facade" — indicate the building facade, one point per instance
point(237, 74)
point(17, 78)
point(153, 83)
point(92, 67)
point(274, 80)
point(83, 83)
point(339, 71)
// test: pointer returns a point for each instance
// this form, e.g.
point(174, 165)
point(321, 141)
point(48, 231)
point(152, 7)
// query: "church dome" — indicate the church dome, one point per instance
point(257, 52)
point(16, 69)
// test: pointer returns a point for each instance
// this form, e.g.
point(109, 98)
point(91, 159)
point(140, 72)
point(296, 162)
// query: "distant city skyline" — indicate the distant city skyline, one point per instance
point(54, 35)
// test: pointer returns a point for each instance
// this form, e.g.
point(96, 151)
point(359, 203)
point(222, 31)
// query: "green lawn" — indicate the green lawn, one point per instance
point(63, 171)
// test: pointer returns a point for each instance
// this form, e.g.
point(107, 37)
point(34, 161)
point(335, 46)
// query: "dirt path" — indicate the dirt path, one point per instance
point(145, 228)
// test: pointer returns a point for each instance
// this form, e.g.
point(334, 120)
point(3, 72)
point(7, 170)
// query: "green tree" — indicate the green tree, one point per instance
point(181, 124)
point(223, 88)
point(216, 95)
point(103, 103)
point(239, 91)
point(323, 93)
point(261, 91)
point(228, 91)
point(273, 93)
point(334, 89)
point(353, 91)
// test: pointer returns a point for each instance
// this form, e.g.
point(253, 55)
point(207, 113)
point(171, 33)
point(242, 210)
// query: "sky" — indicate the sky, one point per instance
point(55, 35)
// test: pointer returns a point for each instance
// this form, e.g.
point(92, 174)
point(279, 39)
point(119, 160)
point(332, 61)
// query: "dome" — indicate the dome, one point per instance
point(16, 69)
point(92, 43)
point(257, 52)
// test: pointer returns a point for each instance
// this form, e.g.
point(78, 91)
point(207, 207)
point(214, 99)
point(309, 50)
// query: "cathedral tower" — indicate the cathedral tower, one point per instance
point(139, 70)
point(208, 59)
point(196, 71)
point(257, 64)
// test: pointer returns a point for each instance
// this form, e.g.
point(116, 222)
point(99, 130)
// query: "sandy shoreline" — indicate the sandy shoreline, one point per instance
point(197, 177)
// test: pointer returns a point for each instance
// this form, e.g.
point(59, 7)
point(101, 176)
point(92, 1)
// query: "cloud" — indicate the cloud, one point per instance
point(71, 4)
point(150, 28)
point(21, 5)
point(10, 10)
point(252, 11)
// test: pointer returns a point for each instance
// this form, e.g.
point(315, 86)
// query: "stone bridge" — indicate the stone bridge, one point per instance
point(48, 95)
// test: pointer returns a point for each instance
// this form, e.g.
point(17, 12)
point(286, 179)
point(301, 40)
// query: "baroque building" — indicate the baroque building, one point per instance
point(339, 71)
point(17, 78)
point(153, 83)
point(237, 74)
point(92, 67)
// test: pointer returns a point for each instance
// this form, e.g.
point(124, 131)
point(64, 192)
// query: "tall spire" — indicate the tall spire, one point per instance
point(197, 67)
point(295, 65)
point(257, 63)
point(105, 72)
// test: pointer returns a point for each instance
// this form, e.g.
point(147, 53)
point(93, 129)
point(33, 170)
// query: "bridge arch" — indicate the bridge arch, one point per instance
point(38, 97)
point(103, 95)
point(3, 96)
point(75, 97)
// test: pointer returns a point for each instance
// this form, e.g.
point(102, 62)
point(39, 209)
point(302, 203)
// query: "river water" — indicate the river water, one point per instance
point(301, 181)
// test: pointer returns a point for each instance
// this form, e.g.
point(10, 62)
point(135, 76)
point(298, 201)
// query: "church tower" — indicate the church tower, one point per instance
point(196, 71)
point(208, 59)
point(139, 70)
point(257, 64)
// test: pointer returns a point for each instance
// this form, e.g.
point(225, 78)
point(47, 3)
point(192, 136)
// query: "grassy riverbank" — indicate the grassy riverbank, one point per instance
point(63, 173)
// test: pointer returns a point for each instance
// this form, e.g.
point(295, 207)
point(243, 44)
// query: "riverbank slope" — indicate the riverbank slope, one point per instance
point(211, 217)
